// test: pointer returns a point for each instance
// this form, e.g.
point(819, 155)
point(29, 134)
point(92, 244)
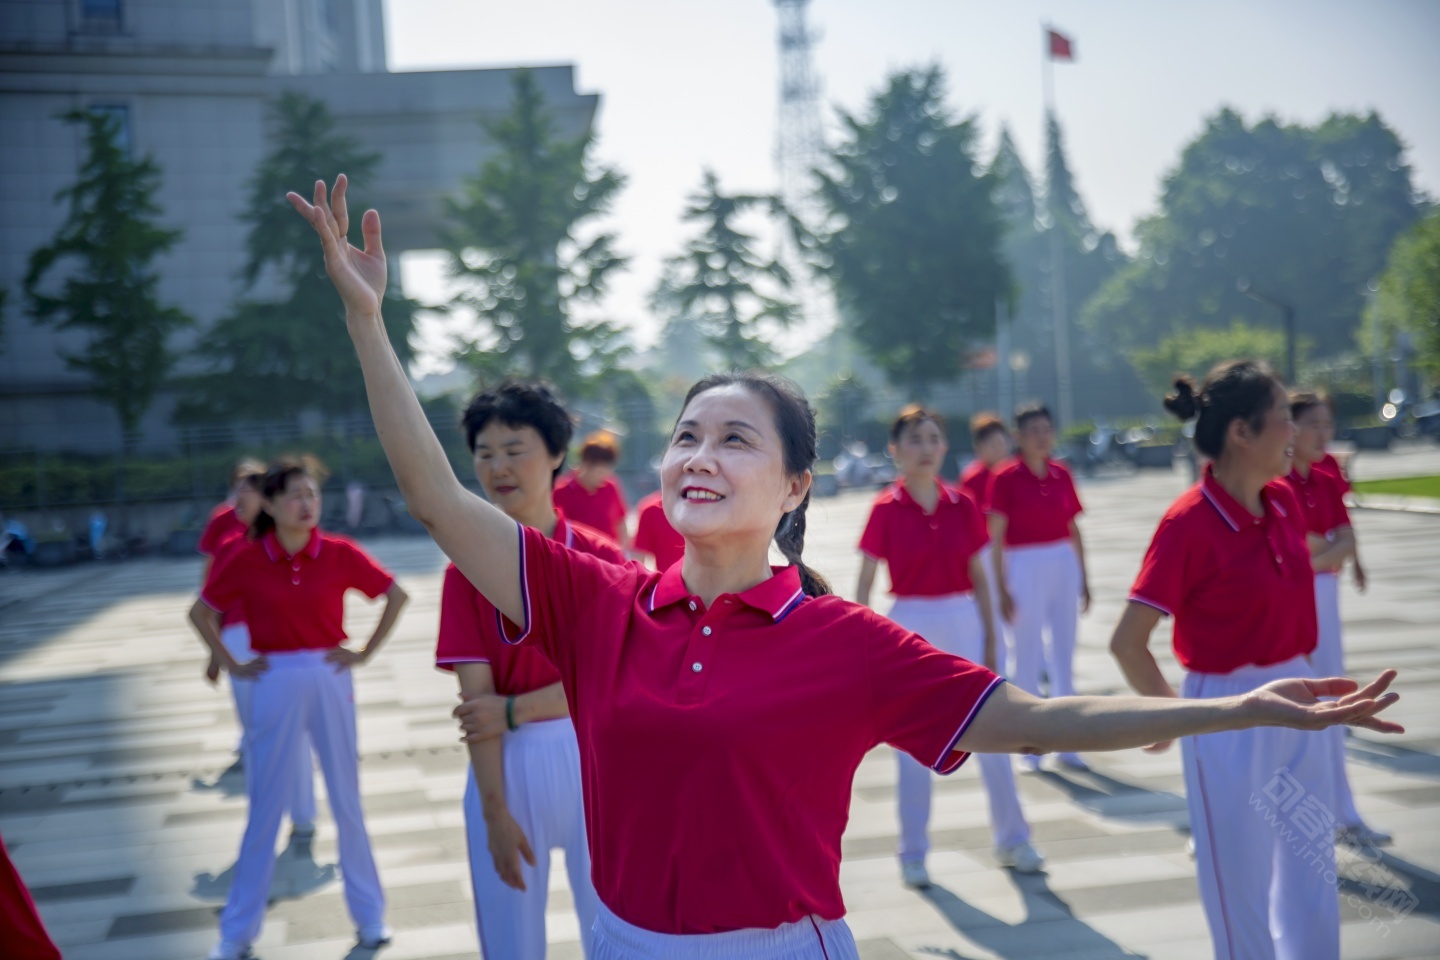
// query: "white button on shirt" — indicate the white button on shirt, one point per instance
point(705, 630)
point(696, 667)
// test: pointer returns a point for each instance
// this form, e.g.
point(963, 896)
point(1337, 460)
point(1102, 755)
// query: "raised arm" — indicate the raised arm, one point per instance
point(479, 538)
point(1013, 721)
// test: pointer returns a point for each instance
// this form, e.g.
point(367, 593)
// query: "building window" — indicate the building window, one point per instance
point(101, 16)
point(120, 114)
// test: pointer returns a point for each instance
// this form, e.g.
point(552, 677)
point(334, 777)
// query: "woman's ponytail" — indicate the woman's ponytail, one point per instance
point(790, 538)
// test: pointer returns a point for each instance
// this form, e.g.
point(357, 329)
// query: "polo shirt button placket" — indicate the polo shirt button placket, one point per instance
point(295, 573)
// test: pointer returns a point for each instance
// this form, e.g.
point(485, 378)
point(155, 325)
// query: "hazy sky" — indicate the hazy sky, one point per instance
point(685, 85)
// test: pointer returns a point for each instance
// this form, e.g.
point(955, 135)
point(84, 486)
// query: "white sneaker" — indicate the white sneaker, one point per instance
point(376, 936)
point(914, 874)
point(1021, 857)
point(1190, 847)
point(1071, 761)
point(1361, 835)
point(225, 950)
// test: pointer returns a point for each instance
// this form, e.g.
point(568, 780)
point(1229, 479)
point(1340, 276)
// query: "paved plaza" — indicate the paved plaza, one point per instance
point(115, 809)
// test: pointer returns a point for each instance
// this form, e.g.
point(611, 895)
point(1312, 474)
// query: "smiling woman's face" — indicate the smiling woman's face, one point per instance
point(724, 472)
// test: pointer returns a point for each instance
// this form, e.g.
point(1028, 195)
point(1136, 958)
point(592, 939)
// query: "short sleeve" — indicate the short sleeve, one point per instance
point(1162, 578)
point(224, 583)
point(213, 534)
point(999, 496)
point(461, 622)
point(364, 573)
point(1073, 507)
point(977, 531)
point(557, 587)
point(873, 542)
point(923, 699)
point(644, 538)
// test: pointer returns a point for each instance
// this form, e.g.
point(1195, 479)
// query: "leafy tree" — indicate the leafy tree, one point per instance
point(515, 238)
point(1102, 381)
point(1408, 298)
point(913, 236)
point(1304, 213)
point(1197, 351)
point(721, 285)
point(272, 358)
point(104, 252)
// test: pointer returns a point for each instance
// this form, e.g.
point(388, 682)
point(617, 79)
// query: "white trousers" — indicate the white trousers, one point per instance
point(1044, 582)
point(808, 939)
point(300, 694)
point(1261, 815)
point(1329, 661)
point(301, 807)
point(542, 790)
point(953, 624)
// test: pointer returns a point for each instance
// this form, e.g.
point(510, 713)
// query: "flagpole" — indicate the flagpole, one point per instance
point(1057, 262)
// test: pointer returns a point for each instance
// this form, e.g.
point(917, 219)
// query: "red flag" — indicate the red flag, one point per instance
point(1061, 47)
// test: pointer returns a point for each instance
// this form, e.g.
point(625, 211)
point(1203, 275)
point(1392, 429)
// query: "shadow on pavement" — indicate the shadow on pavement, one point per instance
point(1118, 800)
point(1047, 919)
point(296, 875)
point(1393, 757)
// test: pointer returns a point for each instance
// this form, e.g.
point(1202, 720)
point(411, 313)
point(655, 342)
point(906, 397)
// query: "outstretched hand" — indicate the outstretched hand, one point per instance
point(358, 275)
point(1297, 703)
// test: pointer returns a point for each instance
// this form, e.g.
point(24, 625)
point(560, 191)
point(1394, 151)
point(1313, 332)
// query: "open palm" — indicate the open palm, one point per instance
point(1298, 703)
point(359, 275)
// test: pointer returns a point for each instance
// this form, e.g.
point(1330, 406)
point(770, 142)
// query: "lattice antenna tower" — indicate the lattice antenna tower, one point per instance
point(800, 138)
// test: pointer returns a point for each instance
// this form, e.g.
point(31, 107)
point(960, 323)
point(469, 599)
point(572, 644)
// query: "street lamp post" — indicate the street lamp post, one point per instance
point(1248, 289)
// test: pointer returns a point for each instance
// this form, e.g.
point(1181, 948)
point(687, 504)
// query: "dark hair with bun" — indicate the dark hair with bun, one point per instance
point(795, 422)
point(1234, 390)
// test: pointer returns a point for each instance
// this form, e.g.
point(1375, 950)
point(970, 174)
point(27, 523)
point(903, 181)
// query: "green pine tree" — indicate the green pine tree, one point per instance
point(914, 241)
point(97, 275)
point(273, 358)
point(517, 238)
point(720, 285)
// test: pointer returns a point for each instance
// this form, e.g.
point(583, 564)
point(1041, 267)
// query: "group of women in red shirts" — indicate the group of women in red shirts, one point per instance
point(720, 707)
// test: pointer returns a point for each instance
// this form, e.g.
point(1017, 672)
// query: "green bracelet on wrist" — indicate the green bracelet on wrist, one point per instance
point(510, 723)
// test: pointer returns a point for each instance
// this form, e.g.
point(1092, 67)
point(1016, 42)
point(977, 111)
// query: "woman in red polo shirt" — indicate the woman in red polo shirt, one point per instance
point(591, 494)
point(522, 793)
point(723, 706)
point(1230, 563)
point(1321, 496)
point(292, 580)
point(992, 445)
point(933, 540)
point(654, 535)
point(1039, 562)
point(235, 636)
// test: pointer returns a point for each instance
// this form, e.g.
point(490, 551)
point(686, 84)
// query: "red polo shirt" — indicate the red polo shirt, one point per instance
point(470, 633)
point(1321, 498)
point(654, 535)
point(1036, 509)
point(1330, 465)
point(222, 525)
point(928, 553)
point(718, 746)
point(227, 549)
point(975, 480)
point(295, 602)
point(603, 510)
point(1240, 587)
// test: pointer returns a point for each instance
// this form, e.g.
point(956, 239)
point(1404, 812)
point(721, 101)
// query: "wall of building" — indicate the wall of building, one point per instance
point(192, 78)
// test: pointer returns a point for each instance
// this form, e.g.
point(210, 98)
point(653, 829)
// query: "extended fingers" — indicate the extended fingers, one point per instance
point(337, 205)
